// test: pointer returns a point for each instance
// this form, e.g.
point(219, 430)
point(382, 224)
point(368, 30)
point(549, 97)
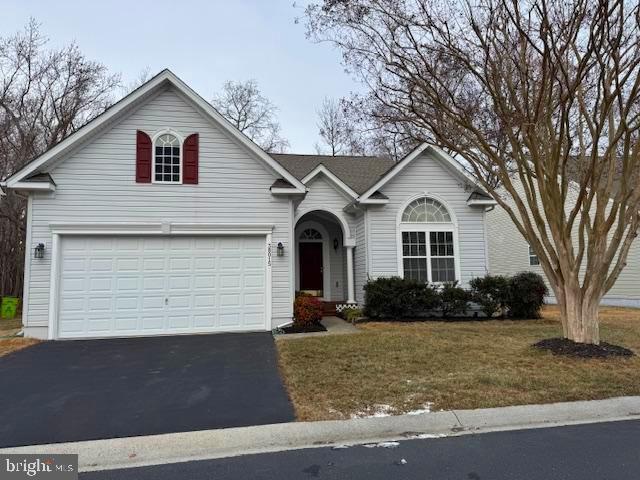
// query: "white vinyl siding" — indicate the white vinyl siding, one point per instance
point(96, 184)
point(509, 254)
point(360, 258)
point(426, 175)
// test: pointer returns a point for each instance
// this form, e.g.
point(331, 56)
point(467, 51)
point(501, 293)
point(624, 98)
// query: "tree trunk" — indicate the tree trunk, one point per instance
point(579, 313)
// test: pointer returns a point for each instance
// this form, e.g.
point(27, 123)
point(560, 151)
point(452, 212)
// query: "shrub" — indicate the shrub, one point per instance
point(491, 292)
point(526, 295)
point(352, 314)
point(454, 300)
point(307, 311)
point(391, 298)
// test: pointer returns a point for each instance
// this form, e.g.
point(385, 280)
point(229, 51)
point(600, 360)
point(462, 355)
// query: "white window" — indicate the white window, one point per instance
point(428, 242)
point(533, 258)
point(167, 164)
point(426, 210)
point(310, 234)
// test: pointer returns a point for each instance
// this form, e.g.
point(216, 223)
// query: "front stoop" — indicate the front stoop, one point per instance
point(329, 308)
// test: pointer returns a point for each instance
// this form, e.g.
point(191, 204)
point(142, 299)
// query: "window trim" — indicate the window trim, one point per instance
point(532, 255)
point(427, 228)
point(156, 136)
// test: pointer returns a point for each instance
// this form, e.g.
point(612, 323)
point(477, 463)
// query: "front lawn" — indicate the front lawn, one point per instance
point(401, 367)
point(8, 342)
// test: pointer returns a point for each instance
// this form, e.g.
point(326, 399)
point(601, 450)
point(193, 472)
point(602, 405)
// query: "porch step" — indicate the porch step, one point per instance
point(329, 308)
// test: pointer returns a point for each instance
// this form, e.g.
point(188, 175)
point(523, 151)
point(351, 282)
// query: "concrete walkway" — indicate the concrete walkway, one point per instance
point(210, 444)
point(334, 326)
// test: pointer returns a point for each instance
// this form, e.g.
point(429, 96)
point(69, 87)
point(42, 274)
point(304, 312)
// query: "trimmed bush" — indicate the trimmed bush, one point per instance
point(491, 293)
point(395, 298)
point(526, 295)
point(352, 314)
point(307, 311)
point(454, 300)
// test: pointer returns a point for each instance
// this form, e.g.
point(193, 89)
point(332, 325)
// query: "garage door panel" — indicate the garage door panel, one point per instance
point(147, 286)
point(252, 319)
point(205, 321)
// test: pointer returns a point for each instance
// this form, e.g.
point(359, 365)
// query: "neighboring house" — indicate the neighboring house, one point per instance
point(510, 253)
point(158, 217)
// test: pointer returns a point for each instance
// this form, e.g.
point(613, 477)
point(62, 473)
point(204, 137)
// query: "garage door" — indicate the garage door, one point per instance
point(124, 286)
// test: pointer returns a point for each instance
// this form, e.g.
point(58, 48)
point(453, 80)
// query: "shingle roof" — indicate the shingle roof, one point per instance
point(358, 172)
point(478, 195)
point(282, 183)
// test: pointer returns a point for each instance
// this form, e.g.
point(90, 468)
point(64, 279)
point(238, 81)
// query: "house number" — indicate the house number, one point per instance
point(269, 255)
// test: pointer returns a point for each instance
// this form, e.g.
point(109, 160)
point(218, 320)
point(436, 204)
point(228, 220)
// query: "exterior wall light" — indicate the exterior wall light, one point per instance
point(280, 249)
point(38, 252)
point(336, 244)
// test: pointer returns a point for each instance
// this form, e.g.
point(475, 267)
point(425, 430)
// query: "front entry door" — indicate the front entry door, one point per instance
point(311, 267)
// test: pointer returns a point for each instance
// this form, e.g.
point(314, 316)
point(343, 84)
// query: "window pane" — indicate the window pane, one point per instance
point(442, 263)
point(443, 270)
point(413, 244)
point(426, 210)
point(415, 269)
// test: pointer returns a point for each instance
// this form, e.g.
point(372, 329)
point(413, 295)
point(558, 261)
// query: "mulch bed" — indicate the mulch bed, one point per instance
point(564, 346)
point(317, 327)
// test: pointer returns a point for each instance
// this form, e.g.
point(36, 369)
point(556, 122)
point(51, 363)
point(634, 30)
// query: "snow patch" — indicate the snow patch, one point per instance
point(383, 445)
point(429, 435)
point(381, 410)
point(426, 408)
point(378, 411)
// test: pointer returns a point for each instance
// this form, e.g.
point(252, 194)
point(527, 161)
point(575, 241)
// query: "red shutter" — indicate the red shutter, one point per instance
point(143, 157)
point(190, 160)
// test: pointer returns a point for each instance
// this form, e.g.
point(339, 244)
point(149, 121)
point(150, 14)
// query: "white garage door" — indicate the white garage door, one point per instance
point(126, 286)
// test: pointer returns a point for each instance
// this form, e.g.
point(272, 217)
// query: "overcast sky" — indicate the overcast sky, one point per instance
point(204, 43)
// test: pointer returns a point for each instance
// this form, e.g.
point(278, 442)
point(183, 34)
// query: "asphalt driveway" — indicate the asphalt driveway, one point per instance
point(90, 389)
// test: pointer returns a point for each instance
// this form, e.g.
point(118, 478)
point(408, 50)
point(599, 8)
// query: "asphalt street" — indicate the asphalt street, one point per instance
point(606, 451)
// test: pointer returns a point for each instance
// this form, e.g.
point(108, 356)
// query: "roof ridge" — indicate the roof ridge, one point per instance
point(327, 156)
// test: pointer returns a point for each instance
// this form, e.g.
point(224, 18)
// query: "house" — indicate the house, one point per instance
point(510, 253)
point(159, 217)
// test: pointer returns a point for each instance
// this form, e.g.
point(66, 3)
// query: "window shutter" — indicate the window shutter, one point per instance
point(143, 157)
point(190, 160)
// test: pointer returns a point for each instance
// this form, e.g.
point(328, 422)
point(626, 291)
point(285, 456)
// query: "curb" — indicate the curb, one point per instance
point(132, 452)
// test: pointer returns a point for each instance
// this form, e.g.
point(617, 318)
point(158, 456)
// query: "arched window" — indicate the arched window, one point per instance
point(428, 245)
point(426, 210)
point(310, 234)
point(167, 159)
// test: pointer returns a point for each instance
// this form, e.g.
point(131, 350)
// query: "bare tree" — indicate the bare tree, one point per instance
point(338, 135)
point(543, 95)
point(253, 114)
point(143, 77)
point(45, 95)
point(377, 134)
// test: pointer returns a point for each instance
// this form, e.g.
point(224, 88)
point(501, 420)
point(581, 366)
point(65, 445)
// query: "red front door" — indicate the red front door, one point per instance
point(311, 266)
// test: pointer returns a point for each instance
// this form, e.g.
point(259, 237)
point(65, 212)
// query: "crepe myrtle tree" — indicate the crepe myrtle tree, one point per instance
point(539, 96)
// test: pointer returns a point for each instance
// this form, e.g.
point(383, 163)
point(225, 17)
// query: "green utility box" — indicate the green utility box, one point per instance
point(9, 307)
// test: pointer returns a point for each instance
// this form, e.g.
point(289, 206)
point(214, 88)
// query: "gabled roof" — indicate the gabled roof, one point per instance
point(448, 162)
point(134, 99)
point(322, 170)
point(356, 172)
